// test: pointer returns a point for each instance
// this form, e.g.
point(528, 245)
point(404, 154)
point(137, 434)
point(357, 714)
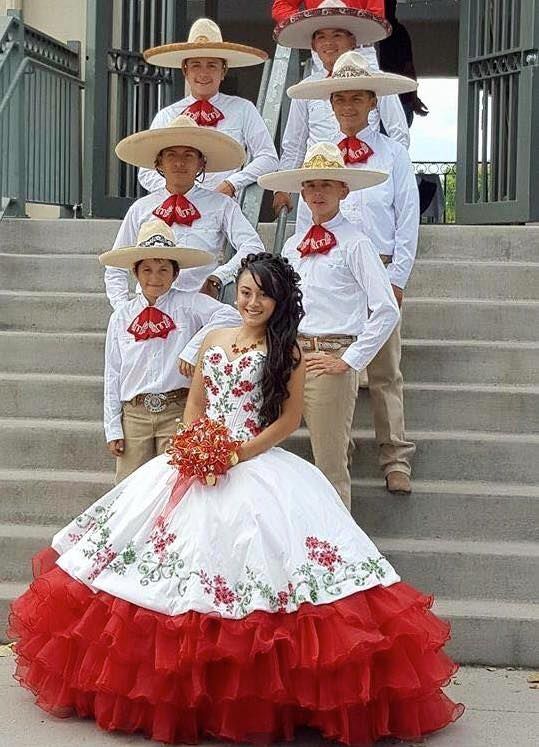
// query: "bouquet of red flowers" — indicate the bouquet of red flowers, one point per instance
point(203, 450)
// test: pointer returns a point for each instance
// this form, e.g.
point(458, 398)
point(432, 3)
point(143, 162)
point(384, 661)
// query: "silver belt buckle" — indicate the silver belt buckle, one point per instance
point(155, 402)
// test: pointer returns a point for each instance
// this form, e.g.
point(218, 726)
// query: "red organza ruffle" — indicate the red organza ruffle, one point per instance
point(359, 669)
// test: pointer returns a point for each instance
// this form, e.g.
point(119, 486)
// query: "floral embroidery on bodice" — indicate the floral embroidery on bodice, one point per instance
point(234, 390)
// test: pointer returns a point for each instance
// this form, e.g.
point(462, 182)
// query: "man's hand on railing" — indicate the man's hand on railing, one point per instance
point(281, 200)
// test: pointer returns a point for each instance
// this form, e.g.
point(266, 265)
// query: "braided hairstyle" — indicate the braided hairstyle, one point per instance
point(278, 279)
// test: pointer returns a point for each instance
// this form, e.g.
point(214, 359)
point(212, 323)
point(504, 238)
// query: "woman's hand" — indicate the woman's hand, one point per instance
point(243, 452)
point(186, 369)
point(116, 447)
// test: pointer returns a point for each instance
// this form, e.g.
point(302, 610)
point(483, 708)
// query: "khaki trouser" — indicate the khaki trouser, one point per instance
point(328, 410)
point(146, 434)
point(387, 405)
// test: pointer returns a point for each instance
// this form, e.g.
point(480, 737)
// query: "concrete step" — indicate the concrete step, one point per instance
point(460, 319)
point(431, 361)
point(454, 510)
point(81, 353)
point(8, 592)
point(18, 543)
point(470, 319)
point(491, 632)
point(438, 407)
point(444, 509)
point(459, 279)
point(441, 455)
point(430, 279)
point(48, 497)
point(469, 362)
point(463, 569)
point(493, 243)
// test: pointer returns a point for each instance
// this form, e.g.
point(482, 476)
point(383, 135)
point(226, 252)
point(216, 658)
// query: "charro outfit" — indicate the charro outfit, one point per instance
point(350, 311)
point(144, 391)
point(310, 122)
point(256, 607)
point(241, 121)
point(388, 213)
point(231, 115)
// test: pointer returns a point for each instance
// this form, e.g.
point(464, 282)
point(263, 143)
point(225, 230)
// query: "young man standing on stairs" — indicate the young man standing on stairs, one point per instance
point(350, 308)
point(389, 214)
point(330, 28)
point(183, 152)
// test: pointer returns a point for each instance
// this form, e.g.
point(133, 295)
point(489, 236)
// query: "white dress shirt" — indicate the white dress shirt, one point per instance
point(346, 292)
point(220, 219)
point(242, 122)
point(151, 366)
point(311, 122)
point(388, 213)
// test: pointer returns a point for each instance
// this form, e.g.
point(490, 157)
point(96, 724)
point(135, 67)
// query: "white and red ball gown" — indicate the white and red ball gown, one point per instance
point(256, 607)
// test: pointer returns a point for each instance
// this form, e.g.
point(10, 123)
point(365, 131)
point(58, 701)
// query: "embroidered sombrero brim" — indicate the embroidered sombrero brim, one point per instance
point(292, 180)
point(222, 152)
point(126, 256)
point(235, 55)
point(297, 31)
point(382, 84)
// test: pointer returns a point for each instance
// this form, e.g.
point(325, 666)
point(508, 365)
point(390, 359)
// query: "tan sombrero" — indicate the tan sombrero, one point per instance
point(297, 31)
point(322, 161)
point(221, 151)
point(351, 72)
point(205, 40)
point(155, 240)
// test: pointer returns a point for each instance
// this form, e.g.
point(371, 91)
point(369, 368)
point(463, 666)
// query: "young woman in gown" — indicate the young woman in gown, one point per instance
point(252, 607)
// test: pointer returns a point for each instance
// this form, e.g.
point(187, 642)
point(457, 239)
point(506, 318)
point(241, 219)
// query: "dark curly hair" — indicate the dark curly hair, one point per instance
point(279, 281)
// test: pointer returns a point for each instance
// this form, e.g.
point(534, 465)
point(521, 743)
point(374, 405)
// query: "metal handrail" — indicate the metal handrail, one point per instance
point(43, 155)
point(280, 231)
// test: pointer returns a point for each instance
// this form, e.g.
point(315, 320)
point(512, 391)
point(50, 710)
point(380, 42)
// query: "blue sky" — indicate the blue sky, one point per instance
point(434, 137)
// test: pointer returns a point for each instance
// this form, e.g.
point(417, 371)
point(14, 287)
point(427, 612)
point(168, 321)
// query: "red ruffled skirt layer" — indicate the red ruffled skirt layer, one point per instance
point(362, 668)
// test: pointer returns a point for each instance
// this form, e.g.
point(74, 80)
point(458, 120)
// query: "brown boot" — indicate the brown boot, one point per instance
point(398, 482)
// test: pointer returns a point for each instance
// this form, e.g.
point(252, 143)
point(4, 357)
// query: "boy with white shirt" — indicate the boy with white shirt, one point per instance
point(145, 393)
point(389, 214)
point(204, 60)
point(183, 151)
point(350, 309)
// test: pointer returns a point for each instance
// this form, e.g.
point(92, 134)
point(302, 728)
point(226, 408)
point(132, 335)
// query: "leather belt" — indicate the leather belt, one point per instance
point(325, 342)
point(158, 402)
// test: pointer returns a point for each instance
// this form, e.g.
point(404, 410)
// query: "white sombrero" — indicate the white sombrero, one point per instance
point(155, 240)
point(297, 31)
point(322, 161)
point(221, 151)
point(351, 72)
point(205, 40)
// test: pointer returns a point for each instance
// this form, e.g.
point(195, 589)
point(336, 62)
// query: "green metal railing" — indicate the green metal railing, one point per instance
point(40, 118)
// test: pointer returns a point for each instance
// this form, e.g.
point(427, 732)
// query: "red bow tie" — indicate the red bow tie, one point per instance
point(204, 113)
point(354, 150)
point(317, 240)
point(151, 323)
point(177, 209)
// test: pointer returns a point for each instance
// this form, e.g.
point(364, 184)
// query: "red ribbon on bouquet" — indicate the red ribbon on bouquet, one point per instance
point(203, 451)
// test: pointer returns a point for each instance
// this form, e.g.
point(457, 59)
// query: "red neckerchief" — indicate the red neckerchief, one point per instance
point(317, 240)
point(150, 323)
point(204, 113)
point(177, 209)
point(355, 150)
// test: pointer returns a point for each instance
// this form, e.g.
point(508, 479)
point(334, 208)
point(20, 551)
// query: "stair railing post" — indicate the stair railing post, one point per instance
point(17, 128)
